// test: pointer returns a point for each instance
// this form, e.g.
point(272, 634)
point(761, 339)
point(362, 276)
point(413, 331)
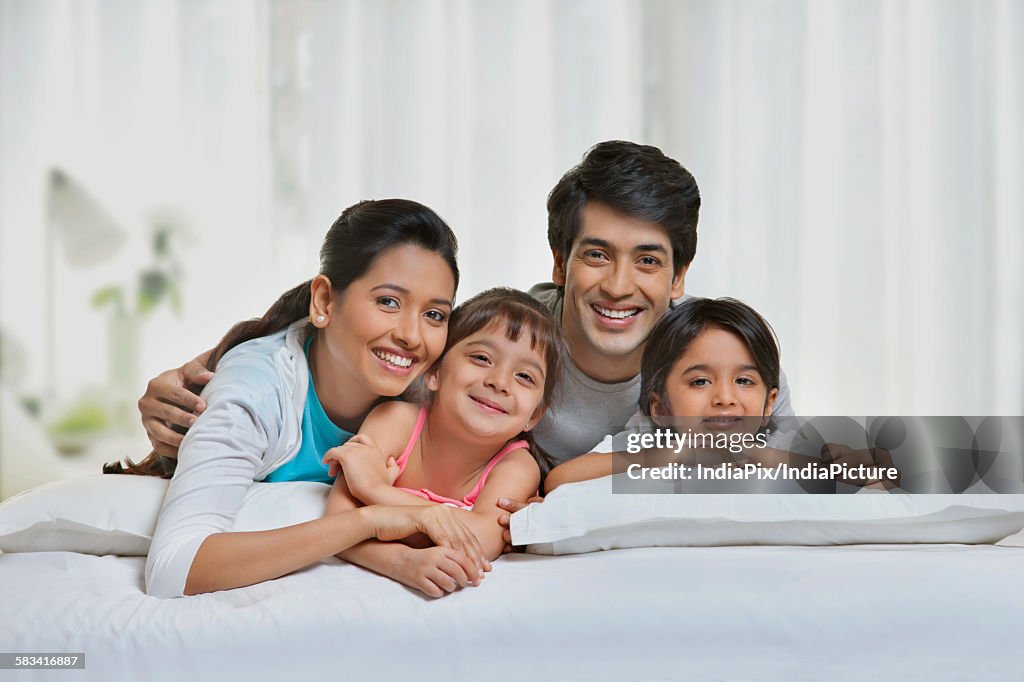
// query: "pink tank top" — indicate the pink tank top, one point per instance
point(471, 496)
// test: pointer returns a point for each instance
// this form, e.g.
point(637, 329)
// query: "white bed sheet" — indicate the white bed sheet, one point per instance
point(924, 612)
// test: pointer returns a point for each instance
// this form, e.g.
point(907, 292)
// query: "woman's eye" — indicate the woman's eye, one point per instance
point(388, 301)
point(745, 381)
point(436, 315)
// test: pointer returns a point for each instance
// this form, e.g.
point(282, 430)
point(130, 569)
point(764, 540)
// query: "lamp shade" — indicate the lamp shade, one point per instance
point(88, 234)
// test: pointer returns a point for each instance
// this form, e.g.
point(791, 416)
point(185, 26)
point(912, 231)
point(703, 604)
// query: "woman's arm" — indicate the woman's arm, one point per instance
point(516, 475)
point(434, 572)
point(229, 560)
point(582, 468)
point(193, 549)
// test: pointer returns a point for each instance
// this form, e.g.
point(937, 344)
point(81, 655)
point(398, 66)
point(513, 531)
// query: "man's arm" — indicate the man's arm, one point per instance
point(582, 468)
point(171, 402)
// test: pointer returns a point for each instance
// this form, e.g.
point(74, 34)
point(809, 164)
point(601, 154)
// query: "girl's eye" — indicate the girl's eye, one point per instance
point(388, 301)
point(700, 382)
point(480, 357)
point(526, 377)
point(436, 316)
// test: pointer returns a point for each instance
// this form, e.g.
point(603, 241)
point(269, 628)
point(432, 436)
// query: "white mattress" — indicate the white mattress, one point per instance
point(924, 612)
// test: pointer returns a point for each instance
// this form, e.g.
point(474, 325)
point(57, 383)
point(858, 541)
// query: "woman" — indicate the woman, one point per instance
point(303, 377)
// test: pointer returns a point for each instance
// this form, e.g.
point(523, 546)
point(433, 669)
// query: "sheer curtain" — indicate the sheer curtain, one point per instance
point(860, 162)
point(861, 166)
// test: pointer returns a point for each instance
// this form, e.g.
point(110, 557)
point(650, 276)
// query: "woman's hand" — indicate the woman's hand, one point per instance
point(169, 405)
point(444, 527)
point(363, 464)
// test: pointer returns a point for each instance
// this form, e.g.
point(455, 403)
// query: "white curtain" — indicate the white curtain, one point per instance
point(860, 162)
point(861, 166)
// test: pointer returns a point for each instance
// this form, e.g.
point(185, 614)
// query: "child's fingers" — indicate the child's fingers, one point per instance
point(443, 527)
point(456, 571)
point(393, 472)
point(469, 570)
point(442, 581)
point(427, 586)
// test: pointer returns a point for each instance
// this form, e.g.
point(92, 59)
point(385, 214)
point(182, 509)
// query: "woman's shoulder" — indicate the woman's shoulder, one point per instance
point(394, 409)
point(254, 369)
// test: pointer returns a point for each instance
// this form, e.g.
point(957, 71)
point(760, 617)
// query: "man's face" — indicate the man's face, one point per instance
point(618, 282)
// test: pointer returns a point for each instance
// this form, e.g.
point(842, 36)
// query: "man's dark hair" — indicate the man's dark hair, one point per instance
point(638, 180)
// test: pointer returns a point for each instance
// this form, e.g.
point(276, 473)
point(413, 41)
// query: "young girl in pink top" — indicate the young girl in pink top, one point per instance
point(468, 444)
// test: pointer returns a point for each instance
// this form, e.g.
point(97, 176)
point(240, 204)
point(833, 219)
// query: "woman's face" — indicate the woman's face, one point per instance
point(388, 326)
point(717, 380)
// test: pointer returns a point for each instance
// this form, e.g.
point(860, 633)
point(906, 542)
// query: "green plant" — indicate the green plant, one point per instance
point(156, 283)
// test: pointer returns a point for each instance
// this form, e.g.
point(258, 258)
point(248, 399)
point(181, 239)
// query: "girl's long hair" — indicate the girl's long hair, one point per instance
point(361, 234)
point(518, 313)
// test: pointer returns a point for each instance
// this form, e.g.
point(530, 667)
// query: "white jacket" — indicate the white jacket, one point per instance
point(251, 426)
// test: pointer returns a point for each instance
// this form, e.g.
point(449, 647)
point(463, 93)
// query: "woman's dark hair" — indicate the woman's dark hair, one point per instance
point(638, 180)
point(674, 333)
point(361, 234)
point(517, 312)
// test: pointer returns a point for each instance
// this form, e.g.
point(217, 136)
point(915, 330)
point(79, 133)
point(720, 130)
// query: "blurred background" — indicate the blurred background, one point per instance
point(169, 167)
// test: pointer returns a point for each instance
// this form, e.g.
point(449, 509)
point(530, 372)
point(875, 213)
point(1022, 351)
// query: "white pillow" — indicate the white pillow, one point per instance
point(1015, 540)
point(587, 516)
point(116, 514)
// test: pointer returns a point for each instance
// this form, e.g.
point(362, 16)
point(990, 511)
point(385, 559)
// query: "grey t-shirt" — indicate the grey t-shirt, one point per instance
point(584, 411)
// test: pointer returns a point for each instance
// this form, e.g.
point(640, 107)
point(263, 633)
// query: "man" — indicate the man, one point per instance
point(622, 227)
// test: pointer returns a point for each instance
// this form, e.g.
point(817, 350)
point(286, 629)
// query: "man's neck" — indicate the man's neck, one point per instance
point(599, 366)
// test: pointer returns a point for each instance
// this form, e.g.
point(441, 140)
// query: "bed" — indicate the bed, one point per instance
point(924, 612)
point(834, 611)
point(691, 587)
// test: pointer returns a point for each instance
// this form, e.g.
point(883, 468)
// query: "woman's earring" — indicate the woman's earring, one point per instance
point(320, 319)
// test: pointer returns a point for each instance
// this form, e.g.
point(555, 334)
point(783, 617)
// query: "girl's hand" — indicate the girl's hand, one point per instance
point(434, 571)
point(441, 524)
point(363, 464)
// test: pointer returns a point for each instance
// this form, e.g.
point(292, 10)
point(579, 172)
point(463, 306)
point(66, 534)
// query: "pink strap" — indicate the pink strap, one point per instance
point(470, 499)
point(421, 419)
point(515, 445)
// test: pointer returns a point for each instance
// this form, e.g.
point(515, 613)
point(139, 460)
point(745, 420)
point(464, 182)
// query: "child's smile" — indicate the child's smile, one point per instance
point(717, 380)
point(490, 384)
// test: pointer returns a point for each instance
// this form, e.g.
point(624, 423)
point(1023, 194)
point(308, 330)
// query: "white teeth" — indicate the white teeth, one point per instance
point(616, 314)
point(392, 359)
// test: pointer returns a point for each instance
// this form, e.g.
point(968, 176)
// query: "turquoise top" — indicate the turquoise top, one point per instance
point(319, 434)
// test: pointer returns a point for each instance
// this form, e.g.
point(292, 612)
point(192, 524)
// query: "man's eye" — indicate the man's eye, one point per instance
point(388, 301)
point(436, 315)
point(595, 255)
point(650, 261)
